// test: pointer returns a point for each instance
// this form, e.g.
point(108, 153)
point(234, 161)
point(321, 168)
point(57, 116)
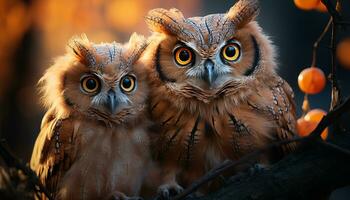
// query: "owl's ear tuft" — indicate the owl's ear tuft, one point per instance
point(243, 12)
point(137, 40)
point(82, 49)
point(165, 21)
point(136, 45)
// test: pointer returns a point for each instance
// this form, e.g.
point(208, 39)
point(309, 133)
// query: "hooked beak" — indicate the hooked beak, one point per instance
point(209, 75)
point(112, 103)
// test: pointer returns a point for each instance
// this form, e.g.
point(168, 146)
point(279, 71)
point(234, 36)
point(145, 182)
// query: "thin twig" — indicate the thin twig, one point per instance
point(332, 10)
point(12, 161)
point(335, 88)
point(334, 147)
point(314, 136)
point(317, 42)
point(336, 17)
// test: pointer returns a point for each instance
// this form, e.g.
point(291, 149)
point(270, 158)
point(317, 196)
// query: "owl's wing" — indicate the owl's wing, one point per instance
point(283, 112)
point(54, 150)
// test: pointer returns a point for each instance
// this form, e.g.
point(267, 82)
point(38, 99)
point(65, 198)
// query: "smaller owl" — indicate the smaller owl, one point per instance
point(92, 143)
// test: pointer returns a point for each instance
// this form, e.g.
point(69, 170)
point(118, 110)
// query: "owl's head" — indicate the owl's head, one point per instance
point(97, 80)
point(211, 52)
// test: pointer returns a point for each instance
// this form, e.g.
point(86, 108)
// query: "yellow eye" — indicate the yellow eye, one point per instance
point(231, 52)
point(183, 56)
point(127, 84)
point(90, 84)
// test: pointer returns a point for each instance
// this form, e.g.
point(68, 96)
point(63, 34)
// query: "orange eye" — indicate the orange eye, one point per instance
point(127, 83)
point(183, 56)
point(90, 84)
point(231, 52)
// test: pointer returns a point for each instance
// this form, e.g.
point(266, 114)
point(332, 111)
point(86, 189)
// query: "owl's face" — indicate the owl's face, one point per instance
point(100, 80)
point(208, 52)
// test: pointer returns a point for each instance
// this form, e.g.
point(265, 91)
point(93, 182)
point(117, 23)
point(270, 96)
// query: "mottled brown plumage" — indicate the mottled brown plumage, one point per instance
point(224, 103)
point(92, 142)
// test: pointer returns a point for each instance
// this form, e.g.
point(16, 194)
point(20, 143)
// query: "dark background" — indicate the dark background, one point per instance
point(32, 33)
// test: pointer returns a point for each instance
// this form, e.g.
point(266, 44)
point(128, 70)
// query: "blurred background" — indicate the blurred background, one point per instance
point(34, 32)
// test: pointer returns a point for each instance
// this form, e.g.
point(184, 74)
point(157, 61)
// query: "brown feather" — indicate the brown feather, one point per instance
point(199, 126)
point(85, 150)
point(243, 12)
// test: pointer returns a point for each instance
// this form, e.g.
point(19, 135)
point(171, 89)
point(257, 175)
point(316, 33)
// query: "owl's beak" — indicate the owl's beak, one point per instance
point(210, 74)
point(112, 103)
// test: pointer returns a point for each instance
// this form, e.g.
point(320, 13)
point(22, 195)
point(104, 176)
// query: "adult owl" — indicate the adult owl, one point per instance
point(93, 142)
point(215, 93)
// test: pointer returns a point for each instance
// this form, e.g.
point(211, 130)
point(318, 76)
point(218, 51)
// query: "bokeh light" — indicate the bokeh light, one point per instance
point(343, 53)
point(35, 32)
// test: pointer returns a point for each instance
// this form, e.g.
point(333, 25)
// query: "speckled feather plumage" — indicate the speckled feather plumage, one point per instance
point(199, 127)
point(83, 150)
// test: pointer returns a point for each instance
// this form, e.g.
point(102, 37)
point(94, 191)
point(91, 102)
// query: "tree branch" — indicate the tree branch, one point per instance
point(314, 136)
point(317, 42)
point(309, 174)
point(12, 161)
point(336, 17)
point(332, 10)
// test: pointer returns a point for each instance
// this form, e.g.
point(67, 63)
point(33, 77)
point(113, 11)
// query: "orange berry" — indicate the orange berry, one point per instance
point(312, 80)
point(343, 53)
point(305, 127)
point(306, 4)
point(315, 115)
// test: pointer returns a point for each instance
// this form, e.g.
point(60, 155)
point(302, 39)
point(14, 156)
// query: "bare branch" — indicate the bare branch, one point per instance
point(314, 136)
point(317, 43)
point(312, 173)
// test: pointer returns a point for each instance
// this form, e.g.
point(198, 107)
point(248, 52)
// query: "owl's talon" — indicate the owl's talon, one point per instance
point(169, 190)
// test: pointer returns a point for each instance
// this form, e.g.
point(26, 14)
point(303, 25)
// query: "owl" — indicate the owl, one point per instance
point(93, 142)
point(215, 93)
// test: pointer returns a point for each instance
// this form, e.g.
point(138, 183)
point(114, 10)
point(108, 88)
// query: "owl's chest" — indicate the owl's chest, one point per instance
point(106, 160)
point(205, 139)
